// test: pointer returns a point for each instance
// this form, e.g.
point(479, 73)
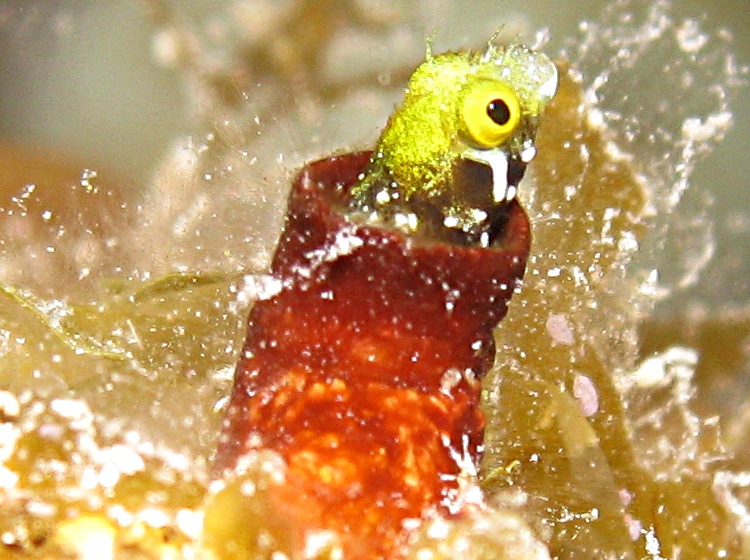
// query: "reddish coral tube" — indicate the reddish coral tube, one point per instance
point(363, 371)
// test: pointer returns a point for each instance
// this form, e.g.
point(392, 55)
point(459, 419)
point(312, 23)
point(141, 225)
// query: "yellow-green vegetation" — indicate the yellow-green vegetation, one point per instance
point(134, 325)
point(79, 476)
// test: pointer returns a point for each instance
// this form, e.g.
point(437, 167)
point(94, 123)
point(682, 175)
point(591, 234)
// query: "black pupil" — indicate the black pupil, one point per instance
point(498, 111)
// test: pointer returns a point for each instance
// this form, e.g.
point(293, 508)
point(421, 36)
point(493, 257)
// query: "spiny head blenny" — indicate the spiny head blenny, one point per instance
point(452, 155)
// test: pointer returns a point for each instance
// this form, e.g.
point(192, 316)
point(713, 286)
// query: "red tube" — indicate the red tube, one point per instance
point(363, 371)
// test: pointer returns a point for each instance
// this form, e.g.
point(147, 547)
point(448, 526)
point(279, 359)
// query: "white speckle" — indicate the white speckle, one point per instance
point(9, 406)
point(109, 476)
point(610, 214)
point(478, 215)
point(586, 394)
point(51, 432)
point(570, 191)
point(713, 128)
point(118, 460)
point(450, 221)
point(438, 529)
point(8, 479)
point(40, 509)
point(411, 523)
point(248, 488)
point(659, 370)
point(344, 244)
point(579, 276)
point(413, 221)
point(653, 547)
point(220, 404)
point(70, 409)
point(87, 176)
point(690, 38)
point(554, 272)
point(627, 243)
point(154, 517)
point(190, 522)
point(258, 287)
point(319, 542)
point(449, 380)
point(595, 118)
point(407, 221)
point(382, 197)
point(87, 537)
point(560, 329)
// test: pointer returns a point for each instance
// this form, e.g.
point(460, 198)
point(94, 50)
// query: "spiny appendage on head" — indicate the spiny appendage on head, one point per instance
point(453, 153)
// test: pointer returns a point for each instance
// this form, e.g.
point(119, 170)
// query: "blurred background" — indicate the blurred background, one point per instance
point(102, 84)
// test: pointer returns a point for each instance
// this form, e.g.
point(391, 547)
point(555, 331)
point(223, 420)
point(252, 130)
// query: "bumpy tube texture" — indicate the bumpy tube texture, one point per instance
point(363, 372)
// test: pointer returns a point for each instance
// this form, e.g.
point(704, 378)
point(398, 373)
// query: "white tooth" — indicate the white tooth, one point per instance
point(499, 165)
point(498, 162)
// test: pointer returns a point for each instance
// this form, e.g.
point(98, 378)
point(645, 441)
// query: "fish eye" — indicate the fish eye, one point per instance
point(490, 112)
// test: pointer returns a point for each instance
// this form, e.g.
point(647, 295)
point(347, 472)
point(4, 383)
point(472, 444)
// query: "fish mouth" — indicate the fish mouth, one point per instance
point(485, 191)
point(472, 212)
point(506, 172)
